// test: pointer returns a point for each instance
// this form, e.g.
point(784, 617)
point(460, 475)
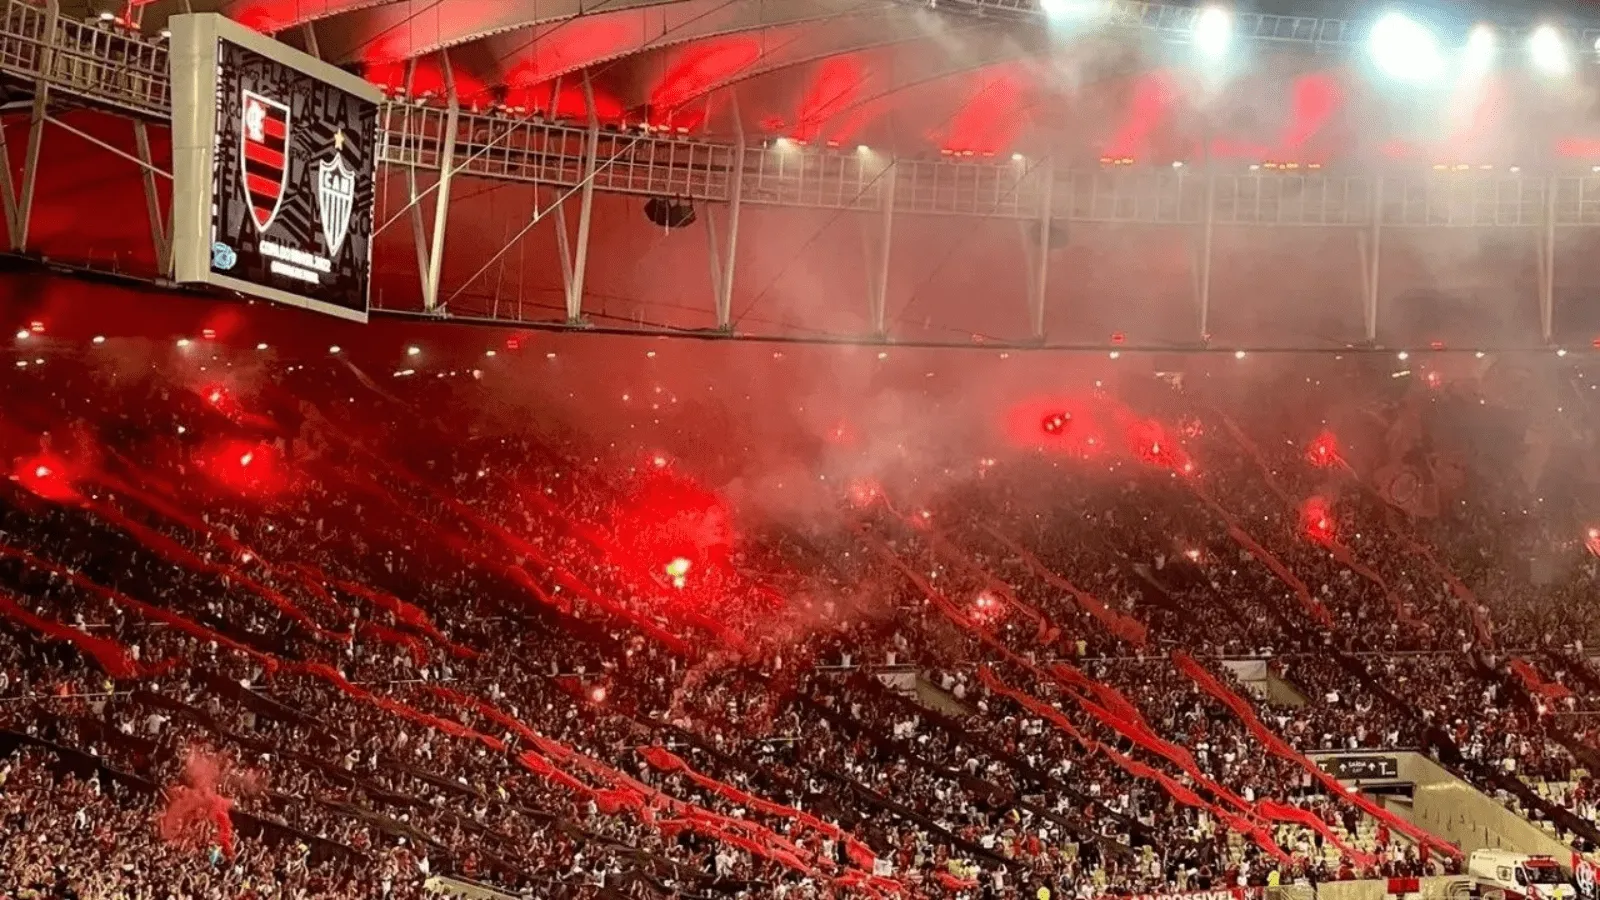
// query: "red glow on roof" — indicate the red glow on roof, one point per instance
point(991, 118)
point(574, 44)
point(427, 81)
point(1313, 102)
point(836, 84)
point(701, 66)
point(1148, 109)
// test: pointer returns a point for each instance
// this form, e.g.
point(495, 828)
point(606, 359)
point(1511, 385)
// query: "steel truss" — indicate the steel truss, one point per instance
point(125, 73)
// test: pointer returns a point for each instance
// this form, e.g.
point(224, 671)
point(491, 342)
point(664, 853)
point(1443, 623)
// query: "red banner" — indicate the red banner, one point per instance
point(110, 655)
point(1279, 747)
point(665, 760)
point(1551, 690)
point(1119, 624)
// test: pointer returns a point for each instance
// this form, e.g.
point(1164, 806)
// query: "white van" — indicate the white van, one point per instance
point(1503, 875)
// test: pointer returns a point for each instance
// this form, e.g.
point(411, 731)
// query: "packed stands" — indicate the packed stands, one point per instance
point(289, 625)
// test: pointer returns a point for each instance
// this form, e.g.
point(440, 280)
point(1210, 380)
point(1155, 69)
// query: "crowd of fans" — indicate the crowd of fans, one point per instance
point(540, 662)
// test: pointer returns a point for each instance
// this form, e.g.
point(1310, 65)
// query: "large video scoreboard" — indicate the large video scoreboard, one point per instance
point(274, 153)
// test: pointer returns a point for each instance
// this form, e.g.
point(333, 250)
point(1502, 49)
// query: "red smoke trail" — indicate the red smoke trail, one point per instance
point(1117, 623)
point(1048, 631)
point(1245, 712)
point(1122, 717)
point(515, 573)
point(111, 657)
point(154, 612)
point(176, 553)
point(628, 790)
point(310, 577)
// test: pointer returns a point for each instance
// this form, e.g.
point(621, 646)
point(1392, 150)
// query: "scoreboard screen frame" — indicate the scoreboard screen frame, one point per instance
point(274, 186)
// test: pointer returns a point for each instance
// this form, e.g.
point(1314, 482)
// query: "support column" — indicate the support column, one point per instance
point(8, 188)
point(563, 246)
point(1547, 264)
point(413, 137)
point(878, 287)
point(441, 209)
point(41, 104)
point(1370, 245)
point(591, 168)
point(1208, 225)
point(722, 274)
point(1038, 285)
point(159, 234)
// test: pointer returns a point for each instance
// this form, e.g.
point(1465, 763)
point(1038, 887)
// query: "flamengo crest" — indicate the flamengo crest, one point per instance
point(263, 155)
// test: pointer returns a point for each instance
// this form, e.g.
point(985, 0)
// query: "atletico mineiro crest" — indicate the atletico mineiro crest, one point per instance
point(264, 156)
point(336, 195)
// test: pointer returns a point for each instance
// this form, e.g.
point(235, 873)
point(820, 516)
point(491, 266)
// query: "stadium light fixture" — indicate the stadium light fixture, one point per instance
point(1482, 45)
point(1213, 32)
point(1548, 50)
point(1405, 50)
point(1067, 9)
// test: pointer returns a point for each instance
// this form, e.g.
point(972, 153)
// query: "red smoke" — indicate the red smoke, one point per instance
point(197, 813)
point(864, 492)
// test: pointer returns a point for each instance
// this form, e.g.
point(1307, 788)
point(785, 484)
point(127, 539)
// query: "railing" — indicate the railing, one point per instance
point(1176, 23)
point(128, 73)
point(112, 68)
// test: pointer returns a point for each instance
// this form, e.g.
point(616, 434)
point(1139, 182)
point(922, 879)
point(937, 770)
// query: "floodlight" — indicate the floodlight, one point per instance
point(1067, 9)
point(1482, 45)
point(1404, 49)
point(1213, 31)
point(1549, 50)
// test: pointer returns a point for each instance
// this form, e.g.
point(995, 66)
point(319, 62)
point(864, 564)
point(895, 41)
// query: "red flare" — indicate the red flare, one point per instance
point(1151, 443)
point(245, 467)
point(1318, 520)
point(864, 492)
point(1324, 451)
point(46, 475)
